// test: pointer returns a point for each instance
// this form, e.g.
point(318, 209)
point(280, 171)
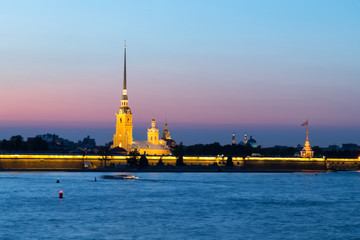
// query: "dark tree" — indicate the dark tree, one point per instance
point(132, 159)
point(4, 144)
point(229, 162)
point(17, 143)
point(143, 162)
point(160, 162)
point(37, 144)
point(178, 150)
point(104, 153)
point(317, 151)
point(179, 153)
point(180, 161)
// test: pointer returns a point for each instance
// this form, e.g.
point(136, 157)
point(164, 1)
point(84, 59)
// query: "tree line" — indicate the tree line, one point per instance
point(37, 144)
point(17, 144)
point(215, 149)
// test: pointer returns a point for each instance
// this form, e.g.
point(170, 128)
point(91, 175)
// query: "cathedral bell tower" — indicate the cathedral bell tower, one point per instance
point(153, 133)
point(123, 136)
point(166, 133)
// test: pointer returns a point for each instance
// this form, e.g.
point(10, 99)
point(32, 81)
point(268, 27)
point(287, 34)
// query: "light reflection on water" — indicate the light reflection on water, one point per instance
point(180, 206)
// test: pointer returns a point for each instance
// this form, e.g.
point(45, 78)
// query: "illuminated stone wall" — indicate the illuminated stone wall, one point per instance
point(343, 164)
point(123, 136)
point(158, 152)
point(40, 162)
point(13, 161)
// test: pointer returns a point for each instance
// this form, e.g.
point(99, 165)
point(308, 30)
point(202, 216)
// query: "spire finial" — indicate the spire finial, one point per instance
point(124, 86)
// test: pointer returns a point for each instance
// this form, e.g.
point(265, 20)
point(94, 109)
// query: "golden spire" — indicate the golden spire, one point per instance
point(124, 86)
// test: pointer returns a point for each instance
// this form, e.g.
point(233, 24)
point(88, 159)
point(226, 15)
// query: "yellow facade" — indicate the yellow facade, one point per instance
point(153, 145)
point(307, 152)
point(152, 152)
point(123, 136)
point(153, 133)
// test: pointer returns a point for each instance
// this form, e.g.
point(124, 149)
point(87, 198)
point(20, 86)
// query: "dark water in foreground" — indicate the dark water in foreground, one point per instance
point(180, 206)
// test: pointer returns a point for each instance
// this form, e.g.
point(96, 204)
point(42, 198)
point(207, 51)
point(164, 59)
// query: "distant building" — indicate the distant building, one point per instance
point(245, 139)
point(123, 135)
point(51, 138)
point(307, 152)
point(87, 143)
point(166, 133)
point(153, 133)
point(233, 139)
point(252, 142)
point(153, 145)
point(166, 137)
point(248, 142)
point(57, 143)
point(350, 147)
point(333, 148)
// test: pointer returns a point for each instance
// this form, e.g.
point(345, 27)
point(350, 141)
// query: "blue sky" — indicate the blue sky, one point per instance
point(228, 65)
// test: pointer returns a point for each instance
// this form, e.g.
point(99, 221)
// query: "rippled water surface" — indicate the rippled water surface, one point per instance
point(180, 206)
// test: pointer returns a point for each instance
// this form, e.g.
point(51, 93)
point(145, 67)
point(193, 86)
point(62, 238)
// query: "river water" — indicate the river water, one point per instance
point(180, 206)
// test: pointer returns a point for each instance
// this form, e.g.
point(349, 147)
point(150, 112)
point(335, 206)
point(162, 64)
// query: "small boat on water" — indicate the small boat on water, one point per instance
point(122, 176)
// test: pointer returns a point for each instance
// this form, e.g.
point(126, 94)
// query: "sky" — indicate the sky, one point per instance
point(207, 68)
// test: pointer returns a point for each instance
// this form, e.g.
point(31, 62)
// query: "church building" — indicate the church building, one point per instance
point(307, 152)
point(123, 137)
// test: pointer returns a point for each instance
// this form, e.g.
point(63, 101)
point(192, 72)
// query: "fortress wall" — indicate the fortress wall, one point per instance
point(343, 164)
point(167, 160)
point(33, 161)
point(23, 162)
point(285, 164)
point(202, 161)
